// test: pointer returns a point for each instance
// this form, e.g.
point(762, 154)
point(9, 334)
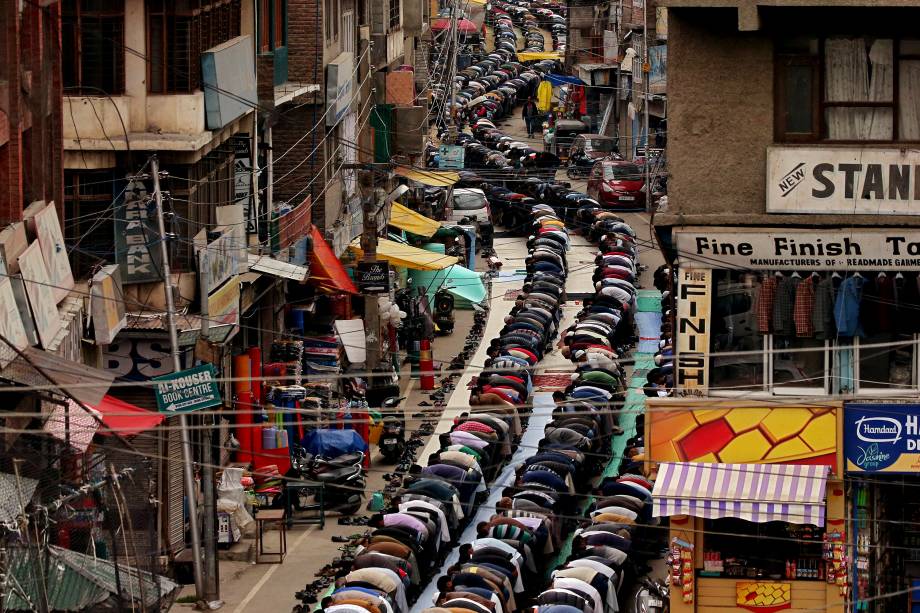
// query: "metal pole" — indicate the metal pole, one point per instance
point(371, 310)
point(646, 77)
point(209, 524)
point(454, 41)
point(190, 490)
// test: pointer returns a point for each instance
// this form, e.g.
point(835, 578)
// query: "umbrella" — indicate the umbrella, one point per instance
point(463, 25)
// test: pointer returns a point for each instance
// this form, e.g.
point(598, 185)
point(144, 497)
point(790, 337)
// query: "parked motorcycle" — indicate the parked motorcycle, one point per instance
point(341, 476)
point(652, 597)
point(392, 441)
point(580, 166)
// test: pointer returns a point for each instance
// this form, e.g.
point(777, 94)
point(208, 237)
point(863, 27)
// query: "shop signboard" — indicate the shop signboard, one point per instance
point(223, 257)
point(658, 69)
point(339, 73)
point(10, 323)
point(224, 304)
point(451, 157)
point(43, 221)
point(843, 180)
point(107, 305)
point(800, 249)
point(242, 179)
point(136, 236)
point(881, 437)
point(188, 390)
point(739, 432)
point(693, 306)
point(138, 359)
point(41, 297)
point(372, 277)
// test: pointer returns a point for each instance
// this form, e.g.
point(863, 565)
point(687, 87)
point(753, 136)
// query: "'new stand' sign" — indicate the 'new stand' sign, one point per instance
point(187, 391)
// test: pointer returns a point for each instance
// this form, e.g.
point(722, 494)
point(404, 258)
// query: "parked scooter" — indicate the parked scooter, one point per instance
point(392, 441)
point(579, 166)
point(342, 477)
point(652, 597)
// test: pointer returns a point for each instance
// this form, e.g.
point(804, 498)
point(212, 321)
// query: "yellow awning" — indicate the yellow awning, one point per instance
point(431, 178)
point(410, 221)
point(528, 56)
point(398, 254)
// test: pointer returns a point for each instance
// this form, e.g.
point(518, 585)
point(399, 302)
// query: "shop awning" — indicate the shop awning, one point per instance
point(754, 492)
point(563, 79)
point(531, 56)
point(326, 271)
point(406, 256)
point(464, 284)
point(85, 383)
point(431, 178)
point(351, 334)
point(125, 419)
point(406, 219)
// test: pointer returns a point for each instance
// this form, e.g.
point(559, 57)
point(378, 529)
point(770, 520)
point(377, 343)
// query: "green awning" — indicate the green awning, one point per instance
point(464, 284)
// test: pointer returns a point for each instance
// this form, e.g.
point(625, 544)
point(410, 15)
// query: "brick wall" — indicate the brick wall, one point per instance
point(292, 125)
point(305, 41)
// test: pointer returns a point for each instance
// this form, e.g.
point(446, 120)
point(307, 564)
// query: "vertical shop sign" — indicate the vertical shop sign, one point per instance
point(136, 236)
point(107, 305)
point(693, 305)
point(41, 297)
point(47, 229)
point(242, 180)
point(10, 323)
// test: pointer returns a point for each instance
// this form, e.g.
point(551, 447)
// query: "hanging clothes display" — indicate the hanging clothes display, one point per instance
point(783, 305)
point(846, 309)
point(764, 306)
point(804, 308)
point(544, 96)
point(579, 100)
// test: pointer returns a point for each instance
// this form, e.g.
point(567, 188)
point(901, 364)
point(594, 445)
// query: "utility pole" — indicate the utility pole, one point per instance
point(646, 78)
point(369, 247)
point(190, 490)
point(454, 43)
point(212, 579)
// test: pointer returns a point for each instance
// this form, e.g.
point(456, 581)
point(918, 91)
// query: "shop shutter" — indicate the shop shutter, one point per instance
point(175, 518)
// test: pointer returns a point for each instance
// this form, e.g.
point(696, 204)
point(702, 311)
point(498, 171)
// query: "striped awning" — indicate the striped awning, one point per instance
point(754, 492)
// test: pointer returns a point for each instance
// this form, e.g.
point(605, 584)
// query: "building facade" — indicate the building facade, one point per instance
point(791, 226)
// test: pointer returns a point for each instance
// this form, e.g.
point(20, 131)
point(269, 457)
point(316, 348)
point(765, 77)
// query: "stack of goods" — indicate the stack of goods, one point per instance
point(267, 484)
point(321, 355)
point(286, 361)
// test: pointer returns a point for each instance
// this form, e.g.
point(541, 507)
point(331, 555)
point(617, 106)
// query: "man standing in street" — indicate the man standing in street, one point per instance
point(530, 113)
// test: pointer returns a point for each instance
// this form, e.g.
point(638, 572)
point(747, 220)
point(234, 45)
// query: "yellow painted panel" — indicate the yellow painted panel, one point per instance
point(748, 447)
point(744, 419)
point(707, 415)
point(785, 423)
point(794, 447)
point(821, 433)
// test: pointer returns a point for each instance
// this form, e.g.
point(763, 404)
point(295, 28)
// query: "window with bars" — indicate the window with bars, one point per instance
point(331, 10)
point(395, 13)
point(88, 224)
point(178, 32)
point(348, 31)
point(92, 44)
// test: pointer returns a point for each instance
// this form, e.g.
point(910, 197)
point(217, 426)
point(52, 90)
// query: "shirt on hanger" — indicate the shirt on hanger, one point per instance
point(822, 318)
point(804, 308)
point(846, 309)
point(764, 306)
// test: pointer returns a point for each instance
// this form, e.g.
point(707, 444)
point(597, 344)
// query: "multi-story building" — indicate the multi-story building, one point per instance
point(793, 226)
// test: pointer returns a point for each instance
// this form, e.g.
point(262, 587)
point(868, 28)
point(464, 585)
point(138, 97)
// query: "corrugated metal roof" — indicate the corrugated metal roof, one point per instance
point(285, 270)
point(76, 582)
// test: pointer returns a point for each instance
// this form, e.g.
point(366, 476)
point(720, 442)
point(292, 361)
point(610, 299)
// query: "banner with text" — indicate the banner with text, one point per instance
point(763, 249)
point(843, 180)
point(693, 306)
point(882, 437)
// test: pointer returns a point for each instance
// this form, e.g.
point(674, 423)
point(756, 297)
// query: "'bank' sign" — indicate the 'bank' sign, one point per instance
point(843, 180)
point(882, 437)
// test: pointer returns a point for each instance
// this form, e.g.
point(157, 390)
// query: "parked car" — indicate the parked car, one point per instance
point(597, 146)
point(617, 183)
point(471, 204)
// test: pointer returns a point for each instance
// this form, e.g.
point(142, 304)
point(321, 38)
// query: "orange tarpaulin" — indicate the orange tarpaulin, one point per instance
point(326, 269)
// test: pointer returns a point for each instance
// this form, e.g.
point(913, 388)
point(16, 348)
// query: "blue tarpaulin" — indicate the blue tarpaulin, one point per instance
point(330, 443)
point(563, 79)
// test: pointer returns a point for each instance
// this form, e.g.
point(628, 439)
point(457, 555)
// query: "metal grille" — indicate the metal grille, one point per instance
point(175, 516)
point(395, 13)
point(92, 40)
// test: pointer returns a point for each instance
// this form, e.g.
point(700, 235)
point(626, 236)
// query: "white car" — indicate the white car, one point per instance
point(472, 204)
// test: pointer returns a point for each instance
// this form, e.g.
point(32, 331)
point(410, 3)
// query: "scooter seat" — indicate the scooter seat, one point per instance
point(346, 459)
point(337, 474)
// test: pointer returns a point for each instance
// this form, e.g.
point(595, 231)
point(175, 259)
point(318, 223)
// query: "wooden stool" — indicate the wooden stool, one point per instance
point(275, 516)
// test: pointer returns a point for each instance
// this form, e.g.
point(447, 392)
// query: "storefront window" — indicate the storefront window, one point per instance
point(778, 332)
point(734, 330)
point(775, 550)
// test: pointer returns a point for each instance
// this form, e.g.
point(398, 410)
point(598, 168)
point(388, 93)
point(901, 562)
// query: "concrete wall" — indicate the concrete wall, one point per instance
point(720, 113)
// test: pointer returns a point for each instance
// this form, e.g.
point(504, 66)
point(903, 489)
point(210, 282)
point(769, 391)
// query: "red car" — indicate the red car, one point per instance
point(617, 183)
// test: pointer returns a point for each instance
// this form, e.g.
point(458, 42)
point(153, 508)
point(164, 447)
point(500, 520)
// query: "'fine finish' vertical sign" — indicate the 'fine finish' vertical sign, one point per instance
point(693, 306)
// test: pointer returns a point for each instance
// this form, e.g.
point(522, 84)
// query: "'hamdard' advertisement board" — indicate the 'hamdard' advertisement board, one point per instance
point(809, 250)
point(843, 180)
point(882, 437)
